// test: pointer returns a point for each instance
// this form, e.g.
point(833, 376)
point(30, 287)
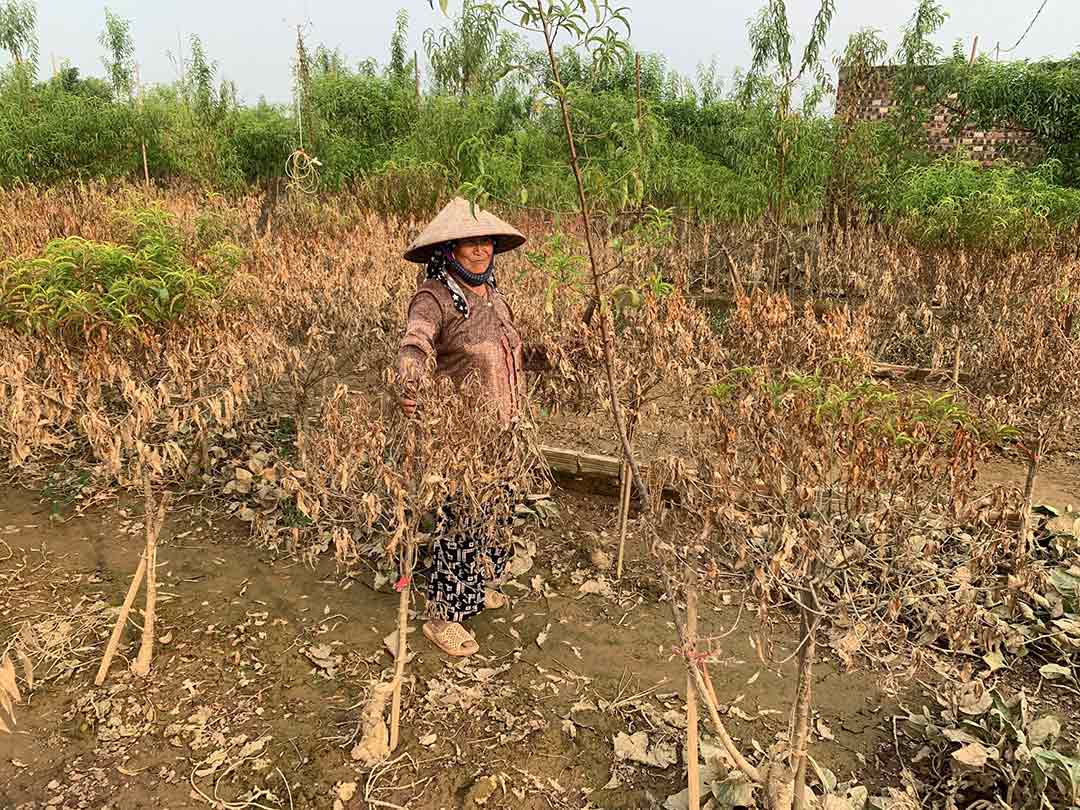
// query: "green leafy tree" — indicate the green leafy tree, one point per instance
point(119, 55)
point(200, 83)
point(399, 69)
point(854, 157)
point(18, 32)
point(772, 67)
point(919, 83)
point(1041, 97)
point(471, 55)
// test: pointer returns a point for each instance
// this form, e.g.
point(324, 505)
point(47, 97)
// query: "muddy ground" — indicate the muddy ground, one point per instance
point(263, 663)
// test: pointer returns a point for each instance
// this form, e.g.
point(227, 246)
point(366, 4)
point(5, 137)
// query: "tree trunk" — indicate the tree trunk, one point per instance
point(1034, 457)
point(693, 775)
point(800, 722)
point(605, 332)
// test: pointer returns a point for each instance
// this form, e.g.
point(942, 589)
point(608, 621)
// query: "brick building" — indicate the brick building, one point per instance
point(985, 146)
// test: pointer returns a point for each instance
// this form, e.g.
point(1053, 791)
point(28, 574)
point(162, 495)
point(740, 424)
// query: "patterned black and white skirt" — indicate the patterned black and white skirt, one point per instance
point(462, 563)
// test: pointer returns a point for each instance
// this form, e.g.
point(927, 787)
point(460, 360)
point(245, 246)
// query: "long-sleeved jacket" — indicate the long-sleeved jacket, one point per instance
point(485, 343)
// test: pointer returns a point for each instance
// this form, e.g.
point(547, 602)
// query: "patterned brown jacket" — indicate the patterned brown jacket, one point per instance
point(485, 343)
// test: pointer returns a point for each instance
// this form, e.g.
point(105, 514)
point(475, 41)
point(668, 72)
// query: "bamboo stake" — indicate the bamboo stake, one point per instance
point(693, 774)
point(402, 642)
point(1034, 456)
point(121, 620)
point(956, 357)
point(416, 73)
point(145, 165)
point(624, 517)
point(800, 719)
point(711, 703)
point(154, 520)
point(407, 559)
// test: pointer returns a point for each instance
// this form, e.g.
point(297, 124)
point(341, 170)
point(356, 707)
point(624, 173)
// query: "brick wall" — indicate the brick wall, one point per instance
point(986, 146)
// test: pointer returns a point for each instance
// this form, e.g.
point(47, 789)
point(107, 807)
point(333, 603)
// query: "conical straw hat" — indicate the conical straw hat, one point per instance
point(456, 221)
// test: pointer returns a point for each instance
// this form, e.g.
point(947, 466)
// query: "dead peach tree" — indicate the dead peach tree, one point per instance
point(380, 487)
point(1027, 367)
point(121, 356)
point(665, 341)
point(800, 480)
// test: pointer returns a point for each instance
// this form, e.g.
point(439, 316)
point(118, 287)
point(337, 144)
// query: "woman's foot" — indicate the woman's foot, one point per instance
point(494, 600)
point(451, 638)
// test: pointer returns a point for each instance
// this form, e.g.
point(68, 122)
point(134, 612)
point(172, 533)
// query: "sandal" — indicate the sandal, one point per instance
point(452, 639)
point(494, 600)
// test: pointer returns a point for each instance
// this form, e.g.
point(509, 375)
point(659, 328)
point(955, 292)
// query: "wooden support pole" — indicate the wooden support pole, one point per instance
point(416, 73)
point(154, 519)
point(121, 620)
point(956, 357)
point(402, 642)
point(408, 558)
point(693, 774)
point(624, 517)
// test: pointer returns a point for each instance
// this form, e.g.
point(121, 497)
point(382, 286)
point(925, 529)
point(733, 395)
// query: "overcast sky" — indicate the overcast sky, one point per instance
point(253, 40)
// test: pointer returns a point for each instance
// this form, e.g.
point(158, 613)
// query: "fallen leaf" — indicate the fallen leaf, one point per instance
point(1053, 672)
point(346, 790)
point(636, 748)
point(974, 755)
point(595, 586)
point(975, 700)
point(995, 660)
point(1043, 731)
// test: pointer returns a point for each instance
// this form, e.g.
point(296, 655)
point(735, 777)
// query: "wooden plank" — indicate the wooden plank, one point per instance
point(577, 462)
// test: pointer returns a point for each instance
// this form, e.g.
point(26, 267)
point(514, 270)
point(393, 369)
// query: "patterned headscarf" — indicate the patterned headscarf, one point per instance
point(440, 264)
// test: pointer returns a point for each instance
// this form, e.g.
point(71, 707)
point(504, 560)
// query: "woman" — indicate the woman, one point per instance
point(460, 325)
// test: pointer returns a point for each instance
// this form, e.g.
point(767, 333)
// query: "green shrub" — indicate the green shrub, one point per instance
point(77, 284)
point(1001, 207)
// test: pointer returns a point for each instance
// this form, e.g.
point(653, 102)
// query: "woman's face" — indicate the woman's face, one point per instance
point(475, 254)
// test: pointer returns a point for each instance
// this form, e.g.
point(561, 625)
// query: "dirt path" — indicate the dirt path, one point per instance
point(1057, 484)
point(253, 647)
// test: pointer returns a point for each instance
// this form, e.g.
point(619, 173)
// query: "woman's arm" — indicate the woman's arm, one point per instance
point(418, 350)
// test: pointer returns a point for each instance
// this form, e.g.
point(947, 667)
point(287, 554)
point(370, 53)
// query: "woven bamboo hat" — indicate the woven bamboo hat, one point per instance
point(457, 221)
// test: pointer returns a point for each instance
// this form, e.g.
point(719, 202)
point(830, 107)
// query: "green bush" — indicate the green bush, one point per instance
point(1001, 207)
point(77, 284)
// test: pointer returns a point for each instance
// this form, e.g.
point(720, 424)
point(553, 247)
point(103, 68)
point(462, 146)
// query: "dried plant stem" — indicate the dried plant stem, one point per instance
point(1034, 456)
point(956, 357)
point(204, 452)
point(624, 517)
point(121, 620)
point(703, 692)
point(693, 775)
point(800, 723)
point(605, 332)
point(153, 520)
point(407, 559)
point(402, 642)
